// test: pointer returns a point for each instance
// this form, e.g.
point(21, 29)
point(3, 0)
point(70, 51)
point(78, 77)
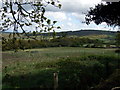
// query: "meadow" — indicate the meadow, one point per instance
point(82, 68)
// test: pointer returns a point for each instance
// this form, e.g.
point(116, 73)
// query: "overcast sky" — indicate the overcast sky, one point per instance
point(71, 15)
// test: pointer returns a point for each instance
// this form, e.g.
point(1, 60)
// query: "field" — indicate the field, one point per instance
point(76, 67)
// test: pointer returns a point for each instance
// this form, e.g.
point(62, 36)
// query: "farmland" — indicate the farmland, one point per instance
point(82, 61)
point(77, 67)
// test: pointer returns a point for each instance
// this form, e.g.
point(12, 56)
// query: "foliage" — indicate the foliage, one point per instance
point(112, 81)
point(118, 39)
point(108, 13)
point(15, 16)
point(15, 44)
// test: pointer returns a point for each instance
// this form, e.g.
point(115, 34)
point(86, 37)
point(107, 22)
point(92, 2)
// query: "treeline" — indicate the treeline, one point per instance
point(15, 44)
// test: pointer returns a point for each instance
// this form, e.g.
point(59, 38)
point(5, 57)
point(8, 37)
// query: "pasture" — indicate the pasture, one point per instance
point(77, 67)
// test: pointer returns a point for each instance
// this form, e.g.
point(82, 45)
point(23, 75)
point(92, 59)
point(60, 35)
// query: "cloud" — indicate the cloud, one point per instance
point(59, 16)
point(78, 6)
point(78, 16)
point(0, 3)
point(70, 11)
point(70, 16)
point(69, 24)
point(69, 19)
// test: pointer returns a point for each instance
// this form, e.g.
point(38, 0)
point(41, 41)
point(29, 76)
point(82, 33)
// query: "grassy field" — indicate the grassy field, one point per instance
point(78, 67)
point(50, 54)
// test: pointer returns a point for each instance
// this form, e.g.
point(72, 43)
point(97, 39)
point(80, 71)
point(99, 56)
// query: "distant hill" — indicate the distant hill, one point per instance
point(77, 33)
point(83, 33)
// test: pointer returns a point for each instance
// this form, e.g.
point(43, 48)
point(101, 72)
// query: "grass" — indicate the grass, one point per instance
point(35, 67)
point(95, 36)
point(50, 54)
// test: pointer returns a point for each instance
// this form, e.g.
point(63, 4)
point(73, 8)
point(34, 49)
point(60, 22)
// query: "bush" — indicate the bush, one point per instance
point(117, 51)
point(12, 44)
point(111, 82)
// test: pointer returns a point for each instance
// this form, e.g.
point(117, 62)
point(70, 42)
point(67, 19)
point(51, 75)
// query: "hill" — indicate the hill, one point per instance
point(90, 32)
point(74, 33)
point(84, 33)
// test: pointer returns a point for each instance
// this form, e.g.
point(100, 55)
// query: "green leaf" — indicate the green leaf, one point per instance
point(58, 27)
point(43, 9)
point(5, 9)
point(8, 20)
point(41, 30)
point(38, 8)
point(34, 33)
point(53, 3)
point(49, 29)
point(59, 5)
point(43, 25)
point(48, 21)
point(54, 22)
point(3, 23)
point(44, 18)
point(30, 23)
point(45, 30)
point(36, 21)
point(33, 11)
point(21, 25)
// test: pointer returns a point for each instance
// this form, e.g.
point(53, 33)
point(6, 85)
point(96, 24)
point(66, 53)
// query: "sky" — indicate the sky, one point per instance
point(72, 14)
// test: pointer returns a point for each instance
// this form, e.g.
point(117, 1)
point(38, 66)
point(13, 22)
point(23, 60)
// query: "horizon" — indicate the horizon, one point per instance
point(68, 31)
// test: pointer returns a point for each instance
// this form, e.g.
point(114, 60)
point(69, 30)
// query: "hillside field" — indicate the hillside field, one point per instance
point(77, 67)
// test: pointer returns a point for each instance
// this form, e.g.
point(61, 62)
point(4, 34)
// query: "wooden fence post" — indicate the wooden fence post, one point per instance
point(55, 77)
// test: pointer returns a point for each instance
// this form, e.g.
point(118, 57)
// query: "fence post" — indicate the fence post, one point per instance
point(55, 77)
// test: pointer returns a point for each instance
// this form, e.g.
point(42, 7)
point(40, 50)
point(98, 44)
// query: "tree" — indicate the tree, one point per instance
point(108, 13)
point(19, 14)
point(15, 15)
point(118, 42)
point(118, 39)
